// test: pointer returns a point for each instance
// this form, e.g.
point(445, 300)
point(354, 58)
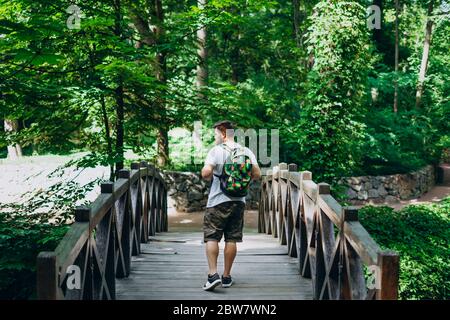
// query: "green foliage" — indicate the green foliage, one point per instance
point(421, 235)
point(37, 223)
point(20, 242)
point(330, 126)
point(399, 143)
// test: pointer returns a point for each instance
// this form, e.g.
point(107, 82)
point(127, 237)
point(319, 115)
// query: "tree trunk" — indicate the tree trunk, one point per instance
point(396, 57)
point(425, 56)
point(235, 52)
point(161, 69)
point(119, 126)
point(14, 150)
point(163, 147)
point(154, 36)
point(202, 67)
point(119, 95)
point(235, 65)
point(107, 136)
point(296, 21)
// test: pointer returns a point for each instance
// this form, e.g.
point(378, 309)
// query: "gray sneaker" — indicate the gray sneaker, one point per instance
point(227, 281)
point(213, 281)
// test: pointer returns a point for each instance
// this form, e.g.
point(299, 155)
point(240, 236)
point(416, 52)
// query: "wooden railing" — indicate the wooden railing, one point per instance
point(332, 247)
point(99, 245)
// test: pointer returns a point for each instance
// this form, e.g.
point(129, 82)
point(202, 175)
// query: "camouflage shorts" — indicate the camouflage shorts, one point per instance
point(227, 219)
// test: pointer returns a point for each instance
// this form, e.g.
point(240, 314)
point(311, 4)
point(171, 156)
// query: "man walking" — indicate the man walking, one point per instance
point(231, 167)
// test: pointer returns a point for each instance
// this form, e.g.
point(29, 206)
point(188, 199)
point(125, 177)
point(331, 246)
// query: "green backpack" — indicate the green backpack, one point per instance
point(236, 173)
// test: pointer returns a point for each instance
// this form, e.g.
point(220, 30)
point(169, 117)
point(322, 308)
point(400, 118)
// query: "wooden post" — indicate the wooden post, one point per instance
point(135, 166)
point(324, 188)
point(124, 174)
point(83, 213)
point(47, 276)
point(306, 175)
point(107, 187)
point(388, 264)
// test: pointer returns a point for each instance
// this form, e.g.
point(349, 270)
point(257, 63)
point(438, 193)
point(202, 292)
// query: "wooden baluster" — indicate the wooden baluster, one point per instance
point(347, 258)
point(305, 269)
point(324, 243)
point(269, 209)
point(136, 203)
point(289, 214)
point(144, 198)
point(282, 207)
point(88, 290)
point(104, 242)
point(125, 215)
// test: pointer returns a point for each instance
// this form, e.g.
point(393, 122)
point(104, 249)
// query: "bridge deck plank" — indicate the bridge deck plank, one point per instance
point(173, 267)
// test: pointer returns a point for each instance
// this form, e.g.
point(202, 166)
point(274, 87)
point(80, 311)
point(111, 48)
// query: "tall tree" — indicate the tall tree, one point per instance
point(119, 94)
point(161, 70)
point(296, 22)
point(425, 55)
point(14, 149)
point(397, 9)
point(202, 52)
point(329, 127)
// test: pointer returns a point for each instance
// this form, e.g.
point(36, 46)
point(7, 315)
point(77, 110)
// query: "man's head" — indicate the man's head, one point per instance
point(223, 130)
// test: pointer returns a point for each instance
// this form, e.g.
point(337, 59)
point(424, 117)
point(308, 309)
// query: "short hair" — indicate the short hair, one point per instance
point(223, 126)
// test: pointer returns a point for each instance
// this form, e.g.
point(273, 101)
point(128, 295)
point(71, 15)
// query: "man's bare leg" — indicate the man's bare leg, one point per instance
point(230, 254)
point(212, 253)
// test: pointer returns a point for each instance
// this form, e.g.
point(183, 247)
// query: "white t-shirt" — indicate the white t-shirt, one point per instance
point(217, 157)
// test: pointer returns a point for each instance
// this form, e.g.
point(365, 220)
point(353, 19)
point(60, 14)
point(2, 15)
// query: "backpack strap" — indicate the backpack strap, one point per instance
point(231, 150)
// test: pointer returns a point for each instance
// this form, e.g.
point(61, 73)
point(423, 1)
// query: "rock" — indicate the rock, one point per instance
point(376, 183)
point(351, 194)
point(357, 187)
point(382, 191)
point(373, 193)
point(363, 195)
point(355, 180)
point(194, 195)
point(182, 186)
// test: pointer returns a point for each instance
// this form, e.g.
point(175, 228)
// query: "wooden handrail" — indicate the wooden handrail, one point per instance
point(331, 246)
point(104, 236)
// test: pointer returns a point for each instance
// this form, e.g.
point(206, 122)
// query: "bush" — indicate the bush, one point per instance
point(20, 242)
point(35, 224)
point(398, 143)
point(421, 235)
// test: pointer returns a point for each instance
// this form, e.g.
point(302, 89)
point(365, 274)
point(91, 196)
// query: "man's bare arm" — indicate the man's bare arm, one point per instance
point(207, 171)
point(256, 172)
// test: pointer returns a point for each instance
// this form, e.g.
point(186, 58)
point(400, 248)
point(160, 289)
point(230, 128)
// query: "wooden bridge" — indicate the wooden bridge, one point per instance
point(308, 247)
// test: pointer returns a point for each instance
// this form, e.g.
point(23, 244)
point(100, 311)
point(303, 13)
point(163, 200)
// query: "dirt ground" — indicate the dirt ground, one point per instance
point(31, 173)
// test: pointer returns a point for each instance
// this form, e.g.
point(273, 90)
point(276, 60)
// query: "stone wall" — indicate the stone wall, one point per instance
point(391, 188)
point(189, 192)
